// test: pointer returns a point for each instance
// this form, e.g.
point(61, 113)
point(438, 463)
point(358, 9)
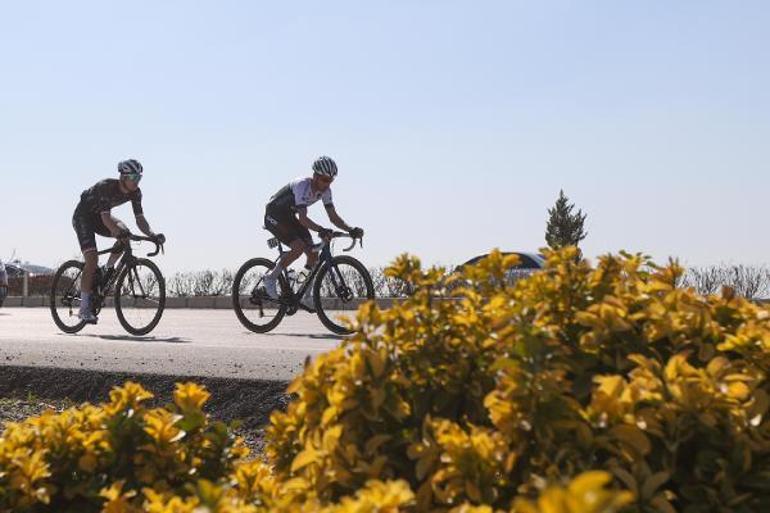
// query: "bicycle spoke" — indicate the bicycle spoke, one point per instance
point(252, 306)
point(65, 297)
point(342, 285)
point(140, 297)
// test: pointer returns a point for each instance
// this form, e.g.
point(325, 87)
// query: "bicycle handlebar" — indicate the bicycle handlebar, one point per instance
point(137, 238)
point(158, 246)
point(336, 235)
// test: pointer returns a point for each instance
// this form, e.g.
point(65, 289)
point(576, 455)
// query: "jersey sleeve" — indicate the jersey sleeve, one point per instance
point(298, 189)
point(136, 203)
point(327, 197)
point(100, 196)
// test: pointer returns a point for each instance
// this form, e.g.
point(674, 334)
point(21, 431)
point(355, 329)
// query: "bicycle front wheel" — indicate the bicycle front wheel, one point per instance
point(65, 297)
point(140, 296)
point(344, 284)
point(256, 311)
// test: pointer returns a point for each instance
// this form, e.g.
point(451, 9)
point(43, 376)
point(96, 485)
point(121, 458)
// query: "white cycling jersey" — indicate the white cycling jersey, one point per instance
point(297, 194)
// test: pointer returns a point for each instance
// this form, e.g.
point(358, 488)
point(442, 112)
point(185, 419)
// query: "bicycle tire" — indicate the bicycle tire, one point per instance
point(325, 318)
point(238, 297)
point(54, 299)
point(161, 297)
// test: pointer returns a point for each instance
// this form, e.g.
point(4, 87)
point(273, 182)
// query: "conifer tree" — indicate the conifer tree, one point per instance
point(564, 228)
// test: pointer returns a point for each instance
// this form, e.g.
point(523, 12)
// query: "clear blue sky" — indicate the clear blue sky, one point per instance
point(455, 124)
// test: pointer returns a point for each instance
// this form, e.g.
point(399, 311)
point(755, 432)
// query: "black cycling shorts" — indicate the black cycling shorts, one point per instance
point(86, 226)
point(286, 227)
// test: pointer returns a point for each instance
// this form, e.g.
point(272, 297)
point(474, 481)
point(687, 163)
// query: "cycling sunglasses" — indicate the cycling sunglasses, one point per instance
point(134, 177)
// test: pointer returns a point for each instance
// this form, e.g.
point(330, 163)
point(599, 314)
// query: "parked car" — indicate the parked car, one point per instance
point(528, 264)
point(3, 283)
point(530, 261)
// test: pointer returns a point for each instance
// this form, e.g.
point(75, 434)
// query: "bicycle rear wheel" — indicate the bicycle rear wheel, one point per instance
point(256, 311)
point(65, 297)
point(342, 285)
point(140, 296)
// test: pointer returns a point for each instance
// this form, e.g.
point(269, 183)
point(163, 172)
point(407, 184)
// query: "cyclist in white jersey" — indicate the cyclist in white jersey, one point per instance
point(286, 218)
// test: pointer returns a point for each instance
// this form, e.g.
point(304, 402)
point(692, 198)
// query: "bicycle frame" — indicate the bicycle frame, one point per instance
point(127, 259)
point(324, 256)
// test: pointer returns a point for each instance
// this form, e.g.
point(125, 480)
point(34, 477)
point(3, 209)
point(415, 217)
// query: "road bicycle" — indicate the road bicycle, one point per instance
point(137, 285)
point(339, 283)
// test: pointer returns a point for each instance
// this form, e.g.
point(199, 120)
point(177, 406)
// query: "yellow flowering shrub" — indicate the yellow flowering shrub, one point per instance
point(498, 399)
point(116, 455)
point(579, 389)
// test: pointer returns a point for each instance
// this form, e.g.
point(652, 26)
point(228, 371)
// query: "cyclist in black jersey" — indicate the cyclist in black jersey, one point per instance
point(92, 215)
point(286, 218)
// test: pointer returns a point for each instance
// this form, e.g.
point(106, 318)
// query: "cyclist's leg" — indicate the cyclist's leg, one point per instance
point(85, 230)
point(301, 242)
point(312, 256)
point(288, 230)
point(296, 248)
point(117, 248)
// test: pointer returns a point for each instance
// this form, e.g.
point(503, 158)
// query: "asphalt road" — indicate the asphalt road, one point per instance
point(208, 343)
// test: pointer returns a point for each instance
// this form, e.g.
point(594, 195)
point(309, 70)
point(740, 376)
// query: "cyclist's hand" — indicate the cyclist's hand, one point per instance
point(123, 233)
point(159, 238)
point(357, 233)
point(325, 233)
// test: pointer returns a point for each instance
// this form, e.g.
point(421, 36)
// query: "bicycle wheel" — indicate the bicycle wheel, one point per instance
point(256, 311)
point(342, 285)
point(65, 297)
point(140, 296)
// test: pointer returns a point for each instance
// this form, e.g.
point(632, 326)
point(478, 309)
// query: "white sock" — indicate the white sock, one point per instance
point(85, 301)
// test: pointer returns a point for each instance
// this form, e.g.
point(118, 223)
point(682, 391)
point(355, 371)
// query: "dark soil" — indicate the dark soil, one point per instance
point(27, 391)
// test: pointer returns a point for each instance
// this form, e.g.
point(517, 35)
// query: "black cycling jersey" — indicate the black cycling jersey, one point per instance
point(102, 197)
point(106, 195)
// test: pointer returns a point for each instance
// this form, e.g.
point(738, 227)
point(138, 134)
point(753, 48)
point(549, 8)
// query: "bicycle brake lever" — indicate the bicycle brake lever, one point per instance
point(352, 245)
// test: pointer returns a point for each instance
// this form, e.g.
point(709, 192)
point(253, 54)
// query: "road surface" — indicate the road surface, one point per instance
point(208, 343)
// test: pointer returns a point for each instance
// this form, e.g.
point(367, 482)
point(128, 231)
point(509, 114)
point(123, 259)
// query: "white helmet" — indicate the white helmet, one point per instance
point(325, 166)
point(130, 167)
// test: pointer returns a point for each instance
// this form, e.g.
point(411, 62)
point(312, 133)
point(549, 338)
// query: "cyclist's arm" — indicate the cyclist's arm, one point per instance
point(305, 221)
point(336, 219)
point(143, 225)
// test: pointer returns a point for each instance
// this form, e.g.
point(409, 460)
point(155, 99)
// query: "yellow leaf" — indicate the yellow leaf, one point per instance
point(305, 458)
point(589, 481)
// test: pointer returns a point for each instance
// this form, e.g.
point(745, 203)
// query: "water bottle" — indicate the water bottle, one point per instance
point(302, 275)
point(291, 274)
